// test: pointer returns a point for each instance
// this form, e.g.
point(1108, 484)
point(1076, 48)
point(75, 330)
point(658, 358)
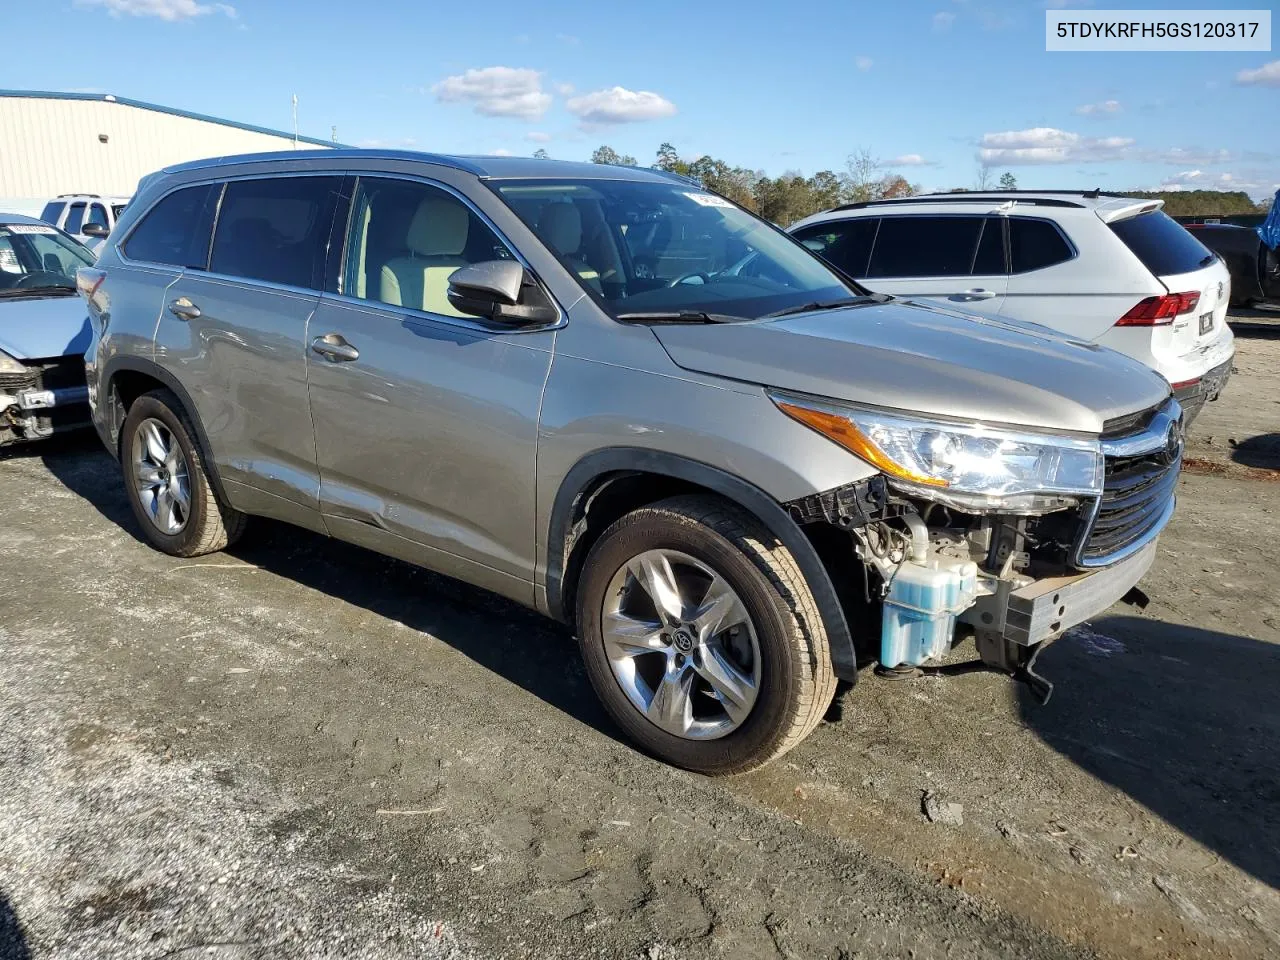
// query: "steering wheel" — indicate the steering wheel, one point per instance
point(43, 278)
point(676, 281)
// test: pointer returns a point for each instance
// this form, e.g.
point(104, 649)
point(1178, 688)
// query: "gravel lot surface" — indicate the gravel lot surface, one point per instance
point(300, 749)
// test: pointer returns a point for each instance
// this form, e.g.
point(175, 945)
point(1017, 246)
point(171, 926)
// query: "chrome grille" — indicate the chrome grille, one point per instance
point(1138, 491)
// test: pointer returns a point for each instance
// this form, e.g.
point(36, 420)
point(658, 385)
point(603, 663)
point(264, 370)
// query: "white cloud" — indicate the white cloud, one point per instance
point(401, 143)
point(497, 92)
point(863, 63)
point(1106, 106)
point(1251, 182)
point(501, 152)
point(1188, 158)
point(1267, 75)
point(564, 89)
point(619, 105)
point(1043, 145)
point(910, 160)
point(537, 136)
point(164, 9)
point(942, 21)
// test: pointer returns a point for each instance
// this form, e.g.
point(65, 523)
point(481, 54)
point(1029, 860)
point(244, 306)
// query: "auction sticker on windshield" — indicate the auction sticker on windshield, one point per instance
point(708, 200)
point(28, 228)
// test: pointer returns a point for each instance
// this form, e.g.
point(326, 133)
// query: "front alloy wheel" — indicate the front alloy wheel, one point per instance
point(701, 636)
point(681, 645)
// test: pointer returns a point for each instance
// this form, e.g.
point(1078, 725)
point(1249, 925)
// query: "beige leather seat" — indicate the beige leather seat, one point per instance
point(560, 226)
point(436, 238)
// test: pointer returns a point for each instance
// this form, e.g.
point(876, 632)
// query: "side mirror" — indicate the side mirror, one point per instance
point(94, 230)
point(501, 291)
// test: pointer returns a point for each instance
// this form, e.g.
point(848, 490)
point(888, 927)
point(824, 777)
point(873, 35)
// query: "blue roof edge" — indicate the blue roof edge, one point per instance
point(157, 108)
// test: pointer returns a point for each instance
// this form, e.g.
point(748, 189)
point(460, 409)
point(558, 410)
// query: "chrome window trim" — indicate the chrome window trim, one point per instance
point(478, 326)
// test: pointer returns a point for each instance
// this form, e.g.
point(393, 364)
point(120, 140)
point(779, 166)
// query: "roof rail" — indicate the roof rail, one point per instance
point(96, 196)
point(957, 198)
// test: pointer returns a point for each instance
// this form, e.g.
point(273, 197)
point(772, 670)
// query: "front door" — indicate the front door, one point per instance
point(426, 419)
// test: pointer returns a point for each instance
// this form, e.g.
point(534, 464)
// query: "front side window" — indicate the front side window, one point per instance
point(176, 230)
point(38, 257)
point(98, 215)
point(925, 247)
point(276, 229)
point(75, 218)
point(404, 241)
point(845, 244)
point(646, 247)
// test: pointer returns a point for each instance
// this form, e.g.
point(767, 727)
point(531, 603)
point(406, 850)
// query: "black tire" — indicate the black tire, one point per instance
point(210, 525)
point(797, 679)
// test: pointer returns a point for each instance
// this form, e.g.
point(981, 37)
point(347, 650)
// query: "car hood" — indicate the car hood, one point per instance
point(924, 358)
point(48, 327)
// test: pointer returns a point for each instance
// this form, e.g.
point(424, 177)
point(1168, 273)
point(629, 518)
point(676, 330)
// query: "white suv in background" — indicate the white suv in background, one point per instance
point(1105, 268)
point(86, 216)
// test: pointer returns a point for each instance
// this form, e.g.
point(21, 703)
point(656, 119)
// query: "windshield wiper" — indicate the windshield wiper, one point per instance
point(679, 316)
point(828, 305)
point(36, 291)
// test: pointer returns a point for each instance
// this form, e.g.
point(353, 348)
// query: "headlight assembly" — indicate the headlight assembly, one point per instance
point(971, 467)
point(10, 365)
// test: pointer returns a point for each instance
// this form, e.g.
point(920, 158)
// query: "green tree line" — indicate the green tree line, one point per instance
point(792, 196)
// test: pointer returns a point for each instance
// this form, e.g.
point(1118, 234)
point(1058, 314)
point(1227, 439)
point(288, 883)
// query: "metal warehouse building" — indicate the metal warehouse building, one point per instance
point(52, 143)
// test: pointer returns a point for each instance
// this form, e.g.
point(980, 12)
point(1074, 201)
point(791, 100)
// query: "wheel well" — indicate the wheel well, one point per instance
point(606, 499)
point(129, 385)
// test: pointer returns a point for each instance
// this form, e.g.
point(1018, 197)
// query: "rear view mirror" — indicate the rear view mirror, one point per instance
point(94, 230)
point(501, 291)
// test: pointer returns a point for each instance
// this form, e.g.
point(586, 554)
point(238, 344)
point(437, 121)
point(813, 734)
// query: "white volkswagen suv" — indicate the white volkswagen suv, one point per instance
point(1105, 268)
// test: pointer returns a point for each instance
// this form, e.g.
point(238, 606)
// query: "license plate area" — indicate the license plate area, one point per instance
point(1206, 323)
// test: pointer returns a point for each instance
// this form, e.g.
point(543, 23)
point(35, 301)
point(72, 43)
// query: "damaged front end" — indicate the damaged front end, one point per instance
point(1013, 572)
point(39, 398)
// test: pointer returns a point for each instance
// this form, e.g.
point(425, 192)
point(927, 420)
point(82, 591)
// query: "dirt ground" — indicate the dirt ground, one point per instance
point(302, 749)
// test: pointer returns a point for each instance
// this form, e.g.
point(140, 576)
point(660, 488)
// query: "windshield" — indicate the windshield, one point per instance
point(34, 256)
point(656, 248)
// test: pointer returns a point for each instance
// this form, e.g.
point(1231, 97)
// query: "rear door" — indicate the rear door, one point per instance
point(957, 258)
point(235, 335)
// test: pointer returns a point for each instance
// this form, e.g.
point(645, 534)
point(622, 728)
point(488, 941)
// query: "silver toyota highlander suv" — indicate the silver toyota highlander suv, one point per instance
point(557, 381)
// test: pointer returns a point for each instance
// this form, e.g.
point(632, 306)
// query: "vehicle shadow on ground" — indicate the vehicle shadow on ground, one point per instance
point(1260, 451)
point(1183, 720)
point(13, 942)
point(527, 649)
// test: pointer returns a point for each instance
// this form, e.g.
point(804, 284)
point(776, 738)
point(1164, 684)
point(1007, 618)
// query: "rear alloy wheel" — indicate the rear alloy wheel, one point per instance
point(167, 482)
point(701, 636)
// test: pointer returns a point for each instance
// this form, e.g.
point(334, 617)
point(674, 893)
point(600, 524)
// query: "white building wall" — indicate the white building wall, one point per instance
point(51, 146)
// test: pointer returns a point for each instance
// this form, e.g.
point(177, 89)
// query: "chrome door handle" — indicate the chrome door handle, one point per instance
point(334, 348)
point(978, 293)
point(184, 309)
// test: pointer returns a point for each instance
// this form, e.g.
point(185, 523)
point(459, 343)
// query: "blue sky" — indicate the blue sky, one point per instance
point(929, 86)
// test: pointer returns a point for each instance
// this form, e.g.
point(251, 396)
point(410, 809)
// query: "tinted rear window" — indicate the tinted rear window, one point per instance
point(176, 230)
point(845, 244)
point(50, 214)
point(276, 229)
point(1162, 244)
point(925, 247)
point(1036, 244)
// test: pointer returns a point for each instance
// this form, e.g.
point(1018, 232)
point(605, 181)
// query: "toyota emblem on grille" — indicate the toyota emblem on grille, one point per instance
point(1173, 444)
